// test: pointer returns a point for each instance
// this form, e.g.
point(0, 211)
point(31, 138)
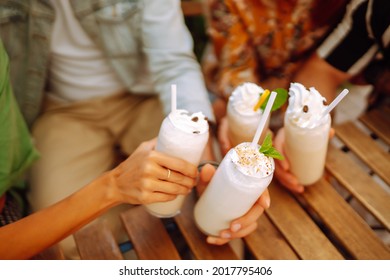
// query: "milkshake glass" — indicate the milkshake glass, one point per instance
point(242, 118)
point(240, 179)
point(184, 136)
point(307, 133)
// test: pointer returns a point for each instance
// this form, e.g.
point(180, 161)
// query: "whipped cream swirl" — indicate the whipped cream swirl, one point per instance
point(251, 162)
point(305, 106)
point(245, 97)
point(195, 123)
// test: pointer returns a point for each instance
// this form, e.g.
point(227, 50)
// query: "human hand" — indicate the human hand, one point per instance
point(144, 177)
point(223, 137)
point(282, 167)
point(242, 226)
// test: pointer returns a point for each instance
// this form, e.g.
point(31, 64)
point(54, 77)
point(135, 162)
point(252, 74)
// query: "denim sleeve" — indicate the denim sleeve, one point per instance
point(168, 47)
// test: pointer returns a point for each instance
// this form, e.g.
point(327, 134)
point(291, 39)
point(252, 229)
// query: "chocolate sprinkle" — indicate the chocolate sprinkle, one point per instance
point(196, 132)
point(195, 119)
point(324, 102)
point(305, 109)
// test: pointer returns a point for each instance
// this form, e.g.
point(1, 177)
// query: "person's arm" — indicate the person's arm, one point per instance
point(140, 179)
point(317, 72)
point(29, 236)
point(349, 48)
point(168, 46)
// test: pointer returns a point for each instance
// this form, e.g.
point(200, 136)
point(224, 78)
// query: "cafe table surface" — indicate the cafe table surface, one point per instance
point(345, 215)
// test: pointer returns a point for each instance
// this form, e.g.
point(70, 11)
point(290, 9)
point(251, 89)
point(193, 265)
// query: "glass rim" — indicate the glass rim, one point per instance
point(252, 176)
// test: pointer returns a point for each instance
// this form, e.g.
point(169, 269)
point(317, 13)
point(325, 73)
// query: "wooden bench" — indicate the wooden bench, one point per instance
point(96, 242)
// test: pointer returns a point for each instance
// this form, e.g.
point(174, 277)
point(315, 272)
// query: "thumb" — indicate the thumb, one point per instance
point(223, 136)
point(331, 133)
point(149, 145)
point(279, 145)
point(206, 173)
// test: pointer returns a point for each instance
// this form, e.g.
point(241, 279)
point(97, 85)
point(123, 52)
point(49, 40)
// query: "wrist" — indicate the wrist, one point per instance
point(108, 185)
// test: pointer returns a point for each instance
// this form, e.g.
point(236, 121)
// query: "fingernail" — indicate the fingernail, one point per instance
point(267, 202)
point(225, 235)
point(235, 227)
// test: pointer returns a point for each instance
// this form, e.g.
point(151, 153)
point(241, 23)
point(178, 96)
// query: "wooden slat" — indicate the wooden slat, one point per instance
point(96, 242)
point(196, 239)
point(298, 228)
point(359, 184)
point(350, 229)
point(366, 149)
point(192, 8)
point(148, 235)
point(379, 123)
point(267, 243)
point(52, 253)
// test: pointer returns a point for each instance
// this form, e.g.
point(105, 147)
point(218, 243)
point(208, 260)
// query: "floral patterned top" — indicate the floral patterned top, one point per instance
point(260, 41)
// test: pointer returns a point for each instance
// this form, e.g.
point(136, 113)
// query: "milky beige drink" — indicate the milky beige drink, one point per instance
point(307, 133)
point(240, 179)
point(184, 136)
point(242, 116)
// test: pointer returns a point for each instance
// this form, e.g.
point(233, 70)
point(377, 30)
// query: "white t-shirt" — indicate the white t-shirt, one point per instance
point(78, 69)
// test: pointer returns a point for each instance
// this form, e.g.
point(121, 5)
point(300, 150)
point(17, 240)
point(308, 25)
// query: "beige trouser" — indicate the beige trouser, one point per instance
point(77, 143)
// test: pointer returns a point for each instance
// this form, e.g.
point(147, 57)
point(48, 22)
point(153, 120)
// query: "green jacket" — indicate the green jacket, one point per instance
point(16, 148)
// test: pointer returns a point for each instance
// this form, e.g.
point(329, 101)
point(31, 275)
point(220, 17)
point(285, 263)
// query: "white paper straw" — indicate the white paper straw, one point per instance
point(263, 120)
point(173, 98)
point(335, 102)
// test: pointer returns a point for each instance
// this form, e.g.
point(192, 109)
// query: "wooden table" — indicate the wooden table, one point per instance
point(319, 224)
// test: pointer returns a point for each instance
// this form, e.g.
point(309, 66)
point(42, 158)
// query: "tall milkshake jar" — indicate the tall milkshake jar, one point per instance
point(306, 149)
point(306, 133)
point(240, 179)
point(184, 136)
point(242, 118)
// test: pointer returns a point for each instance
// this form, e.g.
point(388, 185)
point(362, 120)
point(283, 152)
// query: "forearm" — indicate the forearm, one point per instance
point(29, 236)
point(171, 59)
point(316, 72)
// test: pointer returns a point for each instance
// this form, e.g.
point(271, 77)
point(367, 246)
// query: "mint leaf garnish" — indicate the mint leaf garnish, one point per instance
point(280, 99)
point(267, 143)
point(268, 150)
point(272, 152)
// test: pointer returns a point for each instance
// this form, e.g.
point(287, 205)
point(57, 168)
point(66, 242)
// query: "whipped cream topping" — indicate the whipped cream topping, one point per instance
point(251, 162)
point(245, 97)
point(305, 106)
point(195, 123)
